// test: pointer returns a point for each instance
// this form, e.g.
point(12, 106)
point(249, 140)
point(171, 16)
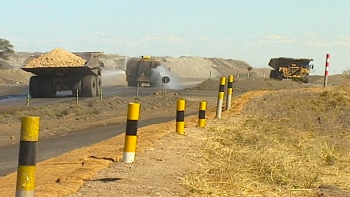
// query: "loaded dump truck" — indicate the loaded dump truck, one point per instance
point(60, 70)
point(139, 71)
point(290, 68)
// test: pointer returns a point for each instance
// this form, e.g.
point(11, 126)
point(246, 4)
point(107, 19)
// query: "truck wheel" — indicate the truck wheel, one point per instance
point(34, 87)
point(99, 85)
point(132, 83)
point(279, 75)
point(306, 78)
point(89, 86)
point(47, 89)
point(272, 74)
point(75, 87)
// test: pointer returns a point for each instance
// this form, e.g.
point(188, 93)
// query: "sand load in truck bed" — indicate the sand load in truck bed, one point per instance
point(56, 58)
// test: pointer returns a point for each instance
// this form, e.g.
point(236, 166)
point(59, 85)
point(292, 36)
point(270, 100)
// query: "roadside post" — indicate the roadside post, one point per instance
point(220, 97)
point(131, 132)
point(101, 94)
point(180, 116)
point(27, 156)
point(77, 98)
point(328, 56)
point(28, 99)
point(201, 115)
point(137, 91)
point(229, 92)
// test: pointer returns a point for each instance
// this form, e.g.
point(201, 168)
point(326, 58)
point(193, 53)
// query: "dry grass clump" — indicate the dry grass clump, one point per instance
point(259, 158)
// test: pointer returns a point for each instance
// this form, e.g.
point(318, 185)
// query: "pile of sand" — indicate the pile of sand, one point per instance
point(56, 58)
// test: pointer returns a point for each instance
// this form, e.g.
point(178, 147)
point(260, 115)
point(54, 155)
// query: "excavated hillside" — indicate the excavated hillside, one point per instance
point(182, 67)
point(194, 67)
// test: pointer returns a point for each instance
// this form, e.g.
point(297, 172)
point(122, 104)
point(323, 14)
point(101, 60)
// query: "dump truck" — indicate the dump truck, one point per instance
point(291, 68)
point(83, 79)
point(142, 71)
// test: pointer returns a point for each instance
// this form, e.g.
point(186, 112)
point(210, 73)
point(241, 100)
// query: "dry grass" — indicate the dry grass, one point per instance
point(258, 157)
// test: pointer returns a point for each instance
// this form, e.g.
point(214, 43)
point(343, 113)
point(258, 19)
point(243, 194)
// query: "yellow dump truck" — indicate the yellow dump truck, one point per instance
point(60, 70)
point(291, 68)
point(143, 71)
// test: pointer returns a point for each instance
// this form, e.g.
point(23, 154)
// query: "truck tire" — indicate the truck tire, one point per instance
point(99, 85)
point(306, 78)
point(76, 86)
point(34, 87)
point(272, 74)
point(89, 86)
point(279, 75)
point(132, 83)
point(47, 87)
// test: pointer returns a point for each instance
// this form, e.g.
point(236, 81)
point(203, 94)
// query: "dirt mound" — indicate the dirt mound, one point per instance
point(333, 80)
point(56, 58)
point(14, 77)
point(324, 112)
point(165, 93)
point(250, 85)
point(190, 67)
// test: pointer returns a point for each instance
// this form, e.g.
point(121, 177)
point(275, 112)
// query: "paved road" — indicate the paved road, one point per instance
point(52, 147)
point(17, 95)
point(57, 145)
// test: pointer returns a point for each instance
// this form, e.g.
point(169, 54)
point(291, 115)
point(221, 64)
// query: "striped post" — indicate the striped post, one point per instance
point(180, 116)
point(220, 97)
point(27, 156)
point(131, 132)
point(328, 56)
point(229, 92)
point(201, 116)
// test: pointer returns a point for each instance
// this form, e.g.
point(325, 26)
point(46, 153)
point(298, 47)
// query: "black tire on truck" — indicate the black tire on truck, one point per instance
point(99, 85)
point(89, 86)
point(279, 75)
point(132, 83)
point(272, 74)
point(47, 87)
point(306, 78)
point(34, 87)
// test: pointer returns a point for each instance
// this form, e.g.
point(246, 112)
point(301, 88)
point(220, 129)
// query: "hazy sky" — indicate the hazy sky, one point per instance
point(249, 30)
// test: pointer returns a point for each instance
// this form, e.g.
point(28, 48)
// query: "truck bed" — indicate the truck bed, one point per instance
point(92, 62)
point(275, 63)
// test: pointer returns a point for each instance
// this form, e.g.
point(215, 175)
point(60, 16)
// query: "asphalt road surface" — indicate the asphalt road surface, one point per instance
point(57, 145)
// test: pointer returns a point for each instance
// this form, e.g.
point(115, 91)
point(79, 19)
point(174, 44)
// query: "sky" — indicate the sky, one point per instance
point(250, 30)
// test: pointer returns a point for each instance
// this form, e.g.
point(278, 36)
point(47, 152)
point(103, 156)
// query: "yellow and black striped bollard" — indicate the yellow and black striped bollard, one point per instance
point(201, 116)
point(220, 97)
point(27, 156)
point(180, 116)
point(229, 92)
point(131, 132)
